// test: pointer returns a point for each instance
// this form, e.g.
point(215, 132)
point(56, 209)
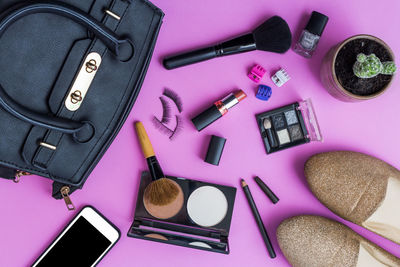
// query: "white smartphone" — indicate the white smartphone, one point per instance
point(84, 242)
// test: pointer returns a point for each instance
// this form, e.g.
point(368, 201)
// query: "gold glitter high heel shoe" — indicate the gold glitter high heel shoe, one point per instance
point(359, 188)
point(314, 241)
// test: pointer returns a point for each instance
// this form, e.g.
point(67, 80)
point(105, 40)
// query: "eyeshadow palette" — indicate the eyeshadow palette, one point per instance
point(201, 219)
point(289, 126)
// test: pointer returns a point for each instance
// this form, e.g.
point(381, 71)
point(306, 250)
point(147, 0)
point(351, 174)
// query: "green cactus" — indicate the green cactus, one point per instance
point(389, 68)
point(371, 66)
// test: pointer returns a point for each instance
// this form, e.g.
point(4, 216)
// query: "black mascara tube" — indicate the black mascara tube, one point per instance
point(219, 109)
point(257, 217)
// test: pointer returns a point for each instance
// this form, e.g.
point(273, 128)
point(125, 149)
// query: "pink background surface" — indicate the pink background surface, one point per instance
point(30, 218)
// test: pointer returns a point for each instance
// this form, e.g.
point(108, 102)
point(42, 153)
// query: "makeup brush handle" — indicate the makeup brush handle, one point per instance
point(144, 140)
point(271, 138)
point(189, 58)
point(241, 44)
point(237, 45)
point(155, 169)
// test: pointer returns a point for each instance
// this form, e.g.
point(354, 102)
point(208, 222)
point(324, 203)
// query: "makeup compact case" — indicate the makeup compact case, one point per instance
point(70, 72)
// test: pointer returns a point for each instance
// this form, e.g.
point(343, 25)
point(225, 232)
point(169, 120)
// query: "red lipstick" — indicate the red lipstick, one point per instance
point(217, 110)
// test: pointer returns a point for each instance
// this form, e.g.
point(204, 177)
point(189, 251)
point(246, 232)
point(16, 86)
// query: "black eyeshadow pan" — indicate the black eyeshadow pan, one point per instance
point(279, 121)
point(295, 132)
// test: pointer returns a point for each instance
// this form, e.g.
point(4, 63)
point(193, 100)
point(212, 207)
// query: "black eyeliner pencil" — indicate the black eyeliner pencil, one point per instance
point(257, 217)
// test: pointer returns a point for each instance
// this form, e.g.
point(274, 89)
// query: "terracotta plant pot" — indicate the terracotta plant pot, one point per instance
point(330, 80)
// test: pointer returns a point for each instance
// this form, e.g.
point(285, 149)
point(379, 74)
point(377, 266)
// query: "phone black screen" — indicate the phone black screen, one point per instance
point(80, 246)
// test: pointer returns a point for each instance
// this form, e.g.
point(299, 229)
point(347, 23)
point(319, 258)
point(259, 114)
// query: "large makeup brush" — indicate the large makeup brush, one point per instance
point(161, 191)
point(273, 36)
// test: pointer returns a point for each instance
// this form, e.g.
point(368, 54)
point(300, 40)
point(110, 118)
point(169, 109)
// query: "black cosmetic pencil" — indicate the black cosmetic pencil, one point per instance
point(274, 199)
point(257, 217)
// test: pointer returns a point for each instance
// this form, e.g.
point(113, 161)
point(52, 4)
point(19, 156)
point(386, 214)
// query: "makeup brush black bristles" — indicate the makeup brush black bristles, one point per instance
point(273, 35)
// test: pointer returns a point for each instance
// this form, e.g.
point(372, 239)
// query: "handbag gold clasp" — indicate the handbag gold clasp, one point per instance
point(91, 66)
point(76, 97)
point(83, 81)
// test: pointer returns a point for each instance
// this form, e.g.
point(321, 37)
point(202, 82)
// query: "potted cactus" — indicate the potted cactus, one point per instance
point(359, 68)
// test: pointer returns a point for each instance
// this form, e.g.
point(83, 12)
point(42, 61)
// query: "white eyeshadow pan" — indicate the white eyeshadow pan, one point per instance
point(207, 206)
point(283, 136)
point(200, 244)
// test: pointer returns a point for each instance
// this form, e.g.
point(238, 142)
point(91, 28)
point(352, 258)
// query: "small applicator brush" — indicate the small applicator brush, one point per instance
point(273, 35)
point(267, 125)
point(161, 191)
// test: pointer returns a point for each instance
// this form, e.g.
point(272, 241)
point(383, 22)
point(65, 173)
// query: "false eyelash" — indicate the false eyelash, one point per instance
point(162, 127)
point(178, 128)
point(174, 97)
point(166, 130)
point(166, 117)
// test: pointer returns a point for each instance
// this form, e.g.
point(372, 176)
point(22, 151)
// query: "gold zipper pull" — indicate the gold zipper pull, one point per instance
point(64, 193)
point(19, 174)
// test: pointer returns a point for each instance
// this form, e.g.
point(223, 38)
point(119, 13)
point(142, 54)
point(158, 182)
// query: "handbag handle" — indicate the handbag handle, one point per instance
point(109, 38)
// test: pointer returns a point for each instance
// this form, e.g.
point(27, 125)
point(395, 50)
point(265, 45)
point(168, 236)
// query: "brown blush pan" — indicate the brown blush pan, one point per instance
point(166, 211)
point(156, 236)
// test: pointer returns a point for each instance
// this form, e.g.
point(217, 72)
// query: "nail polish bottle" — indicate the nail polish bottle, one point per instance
point(311, 34)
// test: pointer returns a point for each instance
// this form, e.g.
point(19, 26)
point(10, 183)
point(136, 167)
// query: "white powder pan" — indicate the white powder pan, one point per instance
point(200, 244)
point(207, 206)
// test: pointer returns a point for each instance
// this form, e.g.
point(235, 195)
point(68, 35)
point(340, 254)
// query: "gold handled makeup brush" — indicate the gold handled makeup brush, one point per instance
point(161, 191)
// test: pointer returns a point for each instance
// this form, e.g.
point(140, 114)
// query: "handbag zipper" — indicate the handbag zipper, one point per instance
point(19, 174)
point(64, 190)
point(65, 194)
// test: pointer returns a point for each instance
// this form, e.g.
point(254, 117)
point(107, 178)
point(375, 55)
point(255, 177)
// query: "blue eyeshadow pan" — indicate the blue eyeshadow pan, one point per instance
point(291, 117)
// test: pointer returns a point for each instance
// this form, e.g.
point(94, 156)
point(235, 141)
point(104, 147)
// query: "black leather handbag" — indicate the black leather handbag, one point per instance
point(70, 72)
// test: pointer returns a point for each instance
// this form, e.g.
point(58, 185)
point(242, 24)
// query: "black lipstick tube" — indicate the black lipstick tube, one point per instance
point(217, 110)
